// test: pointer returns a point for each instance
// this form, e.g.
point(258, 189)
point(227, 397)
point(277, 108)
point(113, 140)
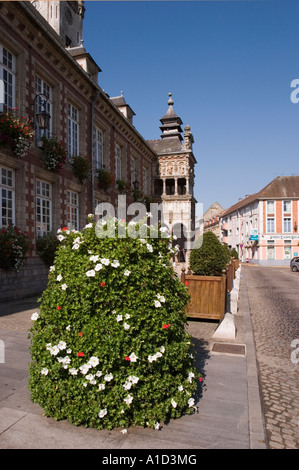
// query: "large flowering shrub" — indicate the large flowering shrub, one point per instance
point(14, 245)
point(109, 347)
point(15, 133)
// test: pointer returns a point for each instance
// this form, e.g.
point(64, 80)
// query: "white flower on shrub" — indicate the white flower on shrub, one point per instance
point(101, 387)
point(44, 371)
point(149, 247)
point(105, 261)
point(180, 388)
point(52, 268)
point(73, 371)
point(76, 246)
point(157, 303)
point(99, 373)
point(93, 361)
point(54, 350)
point(133, 379)
point(133, 357)
point(127, 385)
point(61, 345)
point(94, 258)
point(119, 318)
point(115, 263)
point(103, 413)
point(161, 298)
point(34, 316)
point(174, 403)
point(126, 326)
point(59, 277)
point(129, 398)
point(64, 287)
point(127, 272)
point(91, 273)
point(68, 328)
point(98, 267)
point(108, 377)
point(190, 377)
point(191, 402)
point(84, 368)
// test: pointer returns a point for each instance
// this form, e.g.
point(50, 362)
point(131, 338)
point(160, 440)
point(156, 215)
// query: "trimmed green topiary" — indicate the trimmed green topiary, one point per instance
point(109, 347)
point(211, 258)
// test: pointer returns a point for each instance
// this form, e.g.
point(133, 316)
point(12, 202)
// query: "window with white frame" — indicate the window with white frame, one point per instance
point(72, 210)
point(117, 162)
point(43, 103)
point(7, 201)
point(270, 207)
point(7, 78)
point(73, 130)
point(99, 149)
point(287, 206)
point(270, 225)
point(287, 224)
point(43, 207)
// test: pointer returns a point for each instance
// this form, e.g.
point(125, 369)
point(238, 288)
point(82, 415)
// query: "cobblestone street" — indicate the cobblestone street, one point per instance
point(274, 305)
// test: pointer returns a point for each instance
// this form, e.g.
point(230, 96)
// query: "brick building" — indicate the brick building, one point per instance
point(263, 227)
point(44, 69)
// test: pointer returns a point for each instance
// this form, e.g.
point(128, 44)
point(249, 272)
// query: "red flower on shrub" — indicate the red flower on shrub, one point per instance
point(58, 307)
point(80, 334)
point(166, 326)
point(102, 284)
point(64, 229)
point(80, 354)
point(127, 358)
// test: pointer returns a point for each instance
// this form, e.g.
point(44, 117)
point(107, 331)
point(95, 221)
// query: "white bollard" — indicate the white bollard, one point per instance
point(227, 328)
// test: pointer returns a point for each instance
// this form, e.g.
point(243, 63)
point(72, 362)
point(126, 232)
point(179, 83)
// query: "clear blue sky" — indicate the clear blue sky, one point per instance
point(229, 66)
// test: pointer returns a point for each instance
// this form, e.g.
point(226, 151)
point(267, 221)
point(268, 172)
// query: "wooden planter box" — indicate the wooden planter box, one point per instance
point(208, 296)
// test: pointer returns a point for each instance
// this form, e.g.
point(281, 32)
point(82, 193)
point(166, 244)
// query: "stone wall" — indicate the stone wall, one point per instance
point(30, 281)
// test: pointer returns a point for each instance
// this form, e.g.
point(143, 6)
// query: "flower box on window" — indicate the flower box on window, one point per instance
point(54, 153)
point(15, 133)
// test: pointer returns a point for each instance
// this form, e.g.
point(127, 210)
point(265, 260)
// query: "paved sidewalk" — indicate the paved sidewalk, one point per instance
point(229, 409)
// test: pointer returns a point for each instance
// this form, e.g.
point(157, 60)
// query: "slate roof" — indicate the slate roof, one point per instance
point(171, 144)
point(282, 187)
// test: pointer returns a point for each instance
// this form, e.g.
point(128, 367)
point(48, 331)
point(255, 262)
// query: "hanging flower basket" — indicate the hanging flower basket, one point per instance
point(14, 245)
point(81, 167)
point(54, 154)
point(105, 179)
point(15, 133)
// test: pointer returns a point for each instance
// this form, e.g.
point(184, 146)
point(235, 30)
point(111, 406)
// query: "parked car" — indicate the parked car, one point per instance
point(294, 264)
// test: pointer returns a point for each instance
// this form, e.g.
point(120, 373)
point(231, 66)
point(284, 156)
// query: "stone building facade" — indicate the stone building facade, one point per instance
point(44, 67)
point(173, 179)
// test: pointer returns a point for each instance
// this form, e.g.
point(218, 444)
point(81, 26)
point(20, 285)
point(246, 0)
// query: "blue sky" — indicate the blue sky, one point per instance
point(229, 66)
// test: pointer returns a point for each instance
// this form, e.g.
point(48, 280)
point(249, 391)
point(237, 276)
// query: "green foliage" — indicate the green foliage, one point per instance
point(211, 258)
point(14, 245)
point(105, 179)
point(46, 247)
point(234, 253)
point(81, 167)
point(109, 347)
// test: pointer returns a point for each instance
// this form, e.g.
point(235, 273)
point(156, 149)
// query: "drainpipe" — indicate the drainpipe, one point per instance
point(92, 151)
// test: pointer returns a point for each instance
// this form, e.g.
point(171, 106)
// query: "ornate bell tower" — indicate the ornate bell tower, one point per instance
point(66, 18)
point(174, 179)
